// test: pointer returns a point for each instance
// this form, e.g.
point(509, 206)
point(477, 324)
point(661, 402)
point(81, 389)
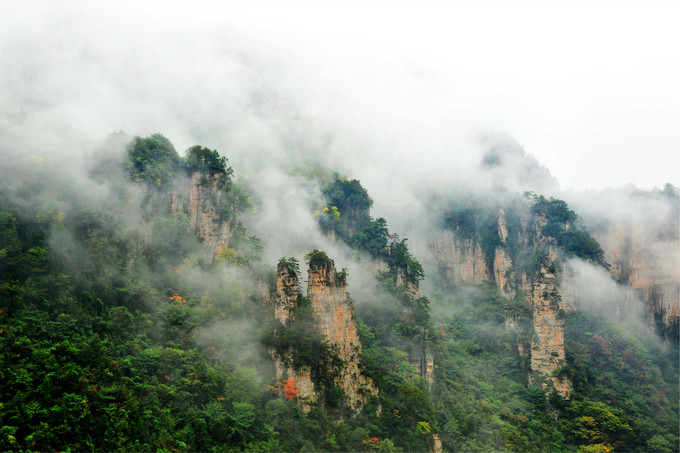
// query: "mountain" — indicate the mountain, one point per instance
point(139, 312)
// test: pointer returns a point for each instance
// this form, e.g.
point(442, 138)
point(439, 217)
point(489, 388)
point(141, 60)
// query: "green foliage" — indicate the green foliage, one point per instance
point(152, 159)
point(595, 423)
point(461, 220)
point(474, 222)
point(349, 217)
point(302, 347)
point(200, 158)
point(401, 261)
point(318, 258)
point(553, 209)
point(291, 265)
point(406, 405)
point(349, 196)
point(562, 225)
point(615, 372)
point(120, 338)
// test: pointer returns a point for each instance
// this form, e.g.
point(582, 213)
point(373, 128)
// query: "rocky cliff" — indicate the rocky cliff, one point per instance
point(649, 263)
point(285, 301)
point(333, 315)
point(466, 258)
point(205, 199)
point(332, 307)
point(461, 257)
point(547, 342)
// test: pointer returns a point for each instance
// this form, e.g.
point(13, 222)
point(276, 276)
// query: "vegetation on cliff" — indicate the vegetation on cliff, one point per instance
point(349, 217)
point(564, 227)
point(116, 333)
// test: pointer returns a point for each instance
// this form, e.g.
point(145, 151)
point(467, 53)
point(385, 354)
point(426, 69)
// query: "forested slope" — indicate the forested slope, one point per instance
point(145, 318)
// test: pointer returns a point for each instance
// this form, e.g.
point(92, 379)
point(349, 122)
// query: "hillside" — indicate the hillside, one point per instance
point(140, 310)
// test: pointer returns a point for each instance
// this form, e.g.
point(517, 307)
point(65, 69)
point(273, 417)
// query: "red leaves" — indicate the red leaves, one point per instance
point(287, 388)
point(290, 390)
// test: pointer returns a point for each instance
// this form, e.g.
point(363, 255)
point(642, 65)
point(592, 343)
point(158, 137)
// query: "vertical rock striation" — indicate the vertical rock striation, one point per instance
point(204, 199)
point(547, 342)
point(332, 307)
point(649, 263)
point(461, 257)
point(285, 301)
point(466, 262)
point(333, 313)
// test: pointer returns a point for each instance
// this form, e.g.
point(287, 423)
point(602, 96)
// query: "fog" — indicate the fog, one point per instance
point(639, 232)
point(595, 291)
point(412, 99)
point(372, 89)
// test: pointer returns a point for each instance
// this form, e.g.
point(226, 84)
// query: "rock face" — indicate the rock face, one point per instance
point(650, 264)
point(462, 258)
point(547, 343)
point(333, 312)
point(327, 292)
point(465, 262)
point(286, 299)
point(204, 199)
point(424, 363)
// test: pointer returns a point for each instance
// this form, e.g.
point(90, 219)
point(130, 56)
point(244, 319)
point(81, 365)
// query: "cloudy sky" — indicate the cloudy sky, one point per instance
point(589, 88)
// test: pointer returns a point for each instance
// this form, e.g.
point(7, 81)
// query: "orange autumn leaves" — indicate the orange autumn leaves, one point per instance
point(178, 300)
point(287, 388)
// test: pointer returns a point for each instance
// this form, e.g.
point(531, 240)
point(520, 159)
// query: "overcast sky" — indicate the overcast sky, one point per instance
point(592, 89)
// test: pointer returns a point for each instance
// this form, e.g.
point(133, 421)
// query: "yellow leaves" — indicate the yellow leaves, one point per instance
point(227, 255)
point(158, 181)
point(595, 448)
point(423, 428)
point(325, 210)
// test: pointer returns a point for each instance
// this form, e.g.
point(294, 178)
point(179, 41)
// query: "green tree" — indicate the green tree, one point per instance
point(152, 159)
point(199, 158)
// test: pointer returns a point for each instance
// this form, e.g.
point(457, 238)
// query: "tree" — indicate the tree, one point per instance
point(152, 159)
point(199, 158)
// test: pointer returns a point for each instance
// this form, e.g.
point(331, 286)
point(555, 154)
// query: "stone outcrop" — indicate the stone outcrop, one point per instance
point(333, 312)
point(424, 363)
point(502, 272)
point(462, 258)
point(465, 263)
point(332, 307)
point(547, 342)
point(285, 301)
point(203, 198)
point(650, 263)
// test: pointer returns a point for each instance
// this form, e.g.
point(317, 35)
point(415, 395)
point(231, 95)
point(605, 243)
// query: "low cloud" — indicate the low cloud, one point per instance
point(593, 289)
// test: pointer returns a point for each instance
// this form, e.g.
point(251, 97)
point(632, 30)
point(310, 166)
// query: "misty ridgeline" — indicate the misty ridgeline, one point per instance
point(152, 301)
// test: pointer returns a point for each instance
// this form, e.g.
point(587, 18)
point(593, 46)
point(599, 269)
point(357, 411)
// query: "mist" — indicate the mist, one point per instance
point(639, 233)
point(275, 91)
point(594, 290)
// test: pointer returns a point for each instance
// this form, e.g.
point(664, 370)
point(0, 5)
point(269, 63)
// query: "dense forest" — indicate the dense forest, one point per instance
point(141, 319)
